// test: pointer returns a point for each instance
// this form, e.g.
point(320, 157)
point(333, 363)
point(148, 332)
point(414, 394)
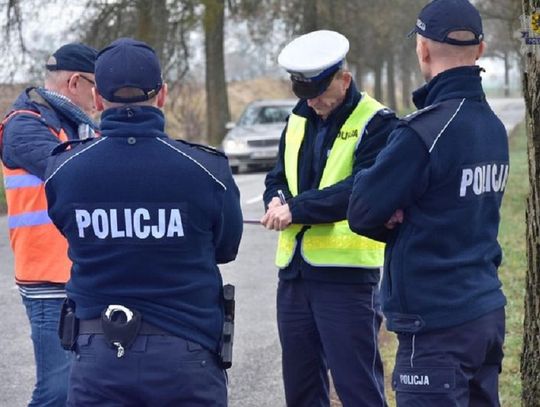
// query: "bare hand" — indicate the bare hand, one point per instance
point(277, 217)
point(396, 218)
point(274, 203)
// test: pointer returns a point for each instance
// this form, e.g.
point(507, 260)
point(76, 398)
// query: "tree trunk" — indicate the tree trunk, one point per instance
point(506, 74)
point(406, 85)
point(152, 24)
point(217, 103)
point(530, 358)
point(309, 21)
point(378, 89)
point(391, 82)
point(359, 76)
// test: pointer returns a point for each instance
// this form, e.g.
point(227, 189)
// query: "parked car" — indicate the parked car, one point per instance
point(254, 140)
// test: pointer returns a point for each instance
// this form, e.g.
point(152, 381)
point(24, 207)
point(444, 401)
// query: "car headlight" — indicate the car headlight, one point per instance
point(235, 146)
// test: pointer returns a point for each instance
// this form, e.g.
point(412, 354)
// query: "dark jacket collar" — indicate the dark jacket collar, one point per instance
point(31, 100)
point(340, 114)
point(132, 120)
point(455, 83)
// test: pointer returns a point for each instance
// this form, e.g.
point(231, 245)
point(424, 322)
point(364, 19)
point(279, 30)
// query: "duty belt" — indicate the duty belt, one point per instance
point(94, 326)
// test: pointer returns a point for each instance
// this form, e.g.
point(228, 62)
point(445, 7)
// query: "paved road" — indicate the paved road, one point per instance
point(255, 378)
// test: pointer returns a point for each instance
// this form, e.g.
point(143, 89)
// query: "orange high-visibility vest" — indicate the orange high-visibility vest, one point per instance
point(39, 249)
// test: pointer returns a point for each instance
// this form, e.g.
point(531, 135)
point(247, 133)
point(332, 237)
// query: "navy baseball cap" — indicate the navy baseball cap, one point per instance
point(74, 57)
point(128, 63)
point(439, 18)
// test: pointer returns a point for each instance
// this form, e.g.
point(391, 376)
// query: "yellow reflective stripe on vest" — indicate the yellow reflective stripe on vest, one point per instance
point(333, 244)
point(336, 245)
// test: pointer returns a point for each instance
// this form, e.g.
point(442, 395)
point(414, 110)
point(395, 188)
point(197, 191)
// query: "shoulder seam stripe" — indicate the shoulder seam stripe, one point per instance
point(194, 160)
point(73, 156)
point(446, 125)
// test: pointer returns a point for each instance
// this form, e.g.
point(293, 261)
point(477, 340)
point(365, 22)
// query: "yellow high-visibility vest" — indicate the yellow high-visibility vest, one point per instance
point(330, 244)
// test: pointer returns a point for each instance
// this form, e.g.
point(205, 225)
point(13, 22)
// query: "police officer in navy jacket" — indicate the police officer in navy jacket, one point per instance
point(147, 219)
point(438, 186)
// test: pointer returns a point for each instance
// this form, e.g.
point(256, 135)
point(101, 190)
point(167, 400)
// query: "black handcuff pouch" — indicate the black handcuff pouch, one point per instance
point(120, 325)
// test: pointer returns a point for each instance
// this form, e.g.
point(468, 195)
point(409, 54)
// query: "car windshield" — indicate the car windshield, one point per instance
point(265, 115)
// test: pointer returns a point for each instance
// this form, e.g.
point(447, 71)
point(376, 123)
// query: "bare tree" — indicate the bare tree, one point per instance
point(162, 24)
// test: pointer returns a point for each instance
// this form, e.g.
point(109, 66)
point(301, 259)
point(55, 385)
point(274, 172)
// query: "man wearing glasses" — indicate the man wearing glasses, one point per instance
point(39, 120)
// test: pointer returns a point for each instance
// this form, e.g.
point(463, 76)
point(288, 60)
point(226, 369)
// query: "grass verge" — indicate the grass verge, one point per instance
point(513, 269)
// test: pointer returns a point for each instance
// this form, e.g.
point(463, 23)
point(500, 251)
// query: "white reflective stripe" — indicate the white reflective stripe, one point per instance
point(375, 342)
point(22, 181)
point(101, 139)
point(412, 345)
point(446, 125)
point(194, 160)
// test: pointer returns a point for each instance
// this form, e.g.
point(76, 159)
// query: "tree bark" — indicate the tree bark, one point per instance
point(506, 74)
point(406, 85)
point(530, 358)
point(217, 102)
point(310, 16)
point(378, 90)
point(152, 24)
point(359, 76)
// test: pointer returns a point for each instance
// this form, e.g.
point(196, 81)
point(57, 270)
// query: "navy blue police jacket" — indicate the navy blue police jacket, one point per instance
point(147, 219)
point(313, 206)
point(27, 142)
point(446, 166)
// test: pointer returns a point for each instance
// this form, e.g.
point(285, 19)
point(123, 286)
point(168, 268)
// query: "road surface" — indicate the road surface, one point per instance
point(255, 379)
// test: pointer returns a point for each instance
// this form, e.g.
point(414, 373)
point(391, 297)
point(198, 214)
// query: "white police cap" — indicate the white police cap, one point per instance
point(311, 59)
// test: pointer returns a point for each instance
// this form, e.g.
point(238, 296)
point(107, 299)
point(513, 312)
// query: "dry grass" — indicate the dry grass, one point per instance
point(186, 106)
point(241, 93)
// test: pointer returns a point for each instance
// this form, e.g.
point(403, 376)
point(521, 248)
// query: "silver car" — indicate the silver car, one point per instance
point(254, 140)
